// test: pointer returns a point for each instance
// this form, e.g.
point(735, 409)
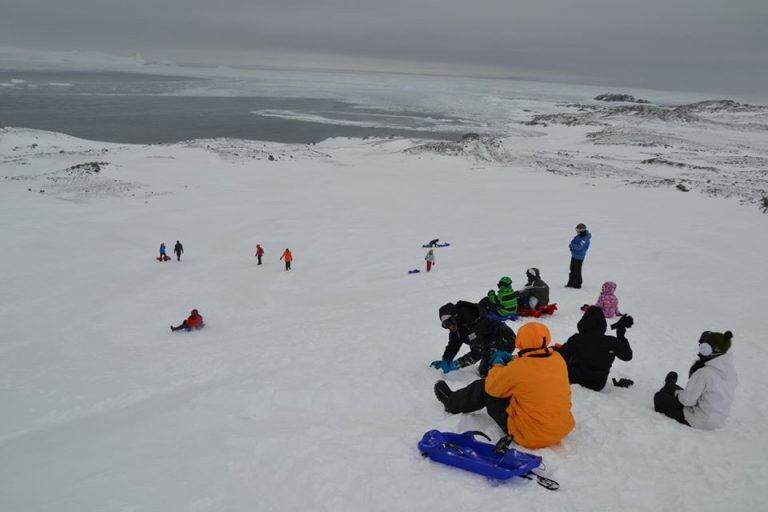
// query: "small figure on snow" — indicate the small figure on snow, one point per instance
point(430, 259)
point(528, 396)
point(578, 247)
point(178, 249)
point(259, 253)
point(607, 301)
point(706, 401)
point(590, 353)
point(535, 294)
point(467, 325)
point(163, 256)
point(433, 243)
point(194, 321)
point(287, 257)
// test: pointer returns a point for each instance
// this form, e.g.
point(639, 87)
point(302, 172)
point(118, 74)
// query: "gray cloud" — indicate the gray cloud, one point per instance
point(689, 44)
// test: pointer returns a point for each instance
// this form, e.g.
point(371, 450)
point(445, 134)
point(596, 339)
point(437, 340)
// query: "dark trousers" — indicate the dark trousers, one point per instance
point(574, 277)
point(178, 256)
point(473, 398)
point(667, 403)
point(180, 327)
point(258, 258)
point(287, 265)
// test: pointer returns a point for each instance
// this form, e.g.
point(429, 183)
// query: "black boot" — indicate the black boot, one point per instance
point(442, 391)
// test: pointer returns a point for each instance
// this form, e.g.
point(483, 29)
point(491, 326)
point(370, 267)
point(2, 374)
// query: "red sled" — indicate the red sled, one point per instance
point(536, 313)
point(164, 257)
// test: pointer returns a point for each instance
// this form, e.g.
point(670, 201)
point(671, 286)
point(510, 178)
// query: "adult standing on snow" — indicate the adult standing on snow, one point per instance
point(467, 325)
point(705, 402)
point(528, 396)
point(590, 353)
point(259, 253)
point(178, 249)
point(287, 257)
point(430, 259)
point(579, 247)
point(536, 292)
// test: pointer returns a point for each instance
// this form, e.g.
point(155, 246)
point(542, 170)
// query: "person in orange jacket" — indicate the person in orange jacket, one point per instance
point(287, 257)
point(259, 253)
point(528, 396)
point(195, 321)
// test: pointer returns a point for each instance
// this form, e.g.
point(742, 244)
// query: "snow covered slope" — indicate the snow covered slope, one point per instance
point(308, 390)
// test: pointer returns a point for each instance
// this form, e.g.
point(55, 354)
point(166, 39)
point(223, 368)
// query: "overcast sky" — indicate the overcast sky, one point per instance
point(716, 45)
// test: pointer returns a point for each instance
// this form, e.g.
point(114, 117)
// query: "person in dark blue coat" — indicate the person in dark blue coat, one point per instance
point(579, 247)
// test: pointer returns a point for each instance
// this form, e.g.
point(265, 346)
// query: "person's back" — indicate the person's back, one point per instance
point(590, 353)
point(539, 412)
point(608, 301)
point(708, 397)
point(536, 292)
point(505, 299)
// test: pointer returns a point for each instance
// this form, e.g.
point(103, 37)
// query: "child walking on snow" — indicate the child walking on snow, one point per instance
point(430, 259)
point(287, 257)
point(259, 253)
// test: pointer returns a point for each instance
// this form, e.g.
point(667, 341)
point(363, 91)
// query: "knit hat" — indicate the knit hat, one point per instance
point(447, 311)
point(719, 343)
point(505, 281)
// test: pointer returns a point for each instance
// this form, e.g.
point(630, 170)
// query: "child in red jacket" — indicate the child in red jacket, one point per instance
point(195, 321)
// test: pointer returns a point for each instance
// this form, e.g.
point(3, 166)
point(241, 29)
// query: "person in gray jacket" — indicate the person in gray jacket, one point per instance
point(705, 402)
point(536, 291)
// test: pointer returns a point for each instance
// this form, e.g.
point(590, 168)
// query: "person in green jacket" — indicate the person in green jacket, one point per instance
point(505, 300)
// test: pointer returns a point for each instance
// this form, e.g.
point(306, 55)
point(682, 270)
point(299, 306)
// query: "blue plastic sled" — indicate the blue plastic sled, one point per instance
point(499, 318)
point(465, 452)
point(427, 246)
point(414, 271)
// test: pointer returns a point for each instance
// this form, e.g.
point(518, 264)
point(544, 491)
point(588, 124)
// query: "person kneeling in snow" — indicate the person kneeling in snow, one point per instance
point(607, 301)
point(528, 396)
point(590, 353)
point(535, 294)
point(195, 321)
point(466, 324)
point(706, 401)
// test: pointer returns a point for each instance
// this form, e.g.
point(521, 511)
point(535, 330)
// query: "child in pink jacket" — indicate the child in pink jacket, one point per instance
point(607, 301)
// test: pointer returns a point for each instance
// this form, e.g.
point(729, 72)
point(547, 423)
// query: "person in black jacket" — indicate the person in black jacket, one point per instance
point(178, 249)
point(590, 353)
point(468, 325)
point(536, 292)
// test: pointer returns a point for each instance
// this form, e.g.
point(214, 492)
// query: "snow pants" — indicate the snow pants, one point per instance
point(287, 265)
point(183, 325)
point(178, 256)
point(429, 266)
point(259, 258)
point(574, 277)
point(667, 404)
point(473, 398)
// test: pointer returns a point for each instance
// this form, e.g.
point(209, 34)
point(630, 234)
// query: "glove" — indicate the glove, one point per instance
point(623, 383)
point(446, 366)
point(624, 323)
point(501, 357)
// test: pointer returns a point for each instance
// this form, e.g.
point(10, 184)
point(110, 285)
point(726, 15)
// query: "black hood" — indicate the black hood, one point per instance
point(593, 322)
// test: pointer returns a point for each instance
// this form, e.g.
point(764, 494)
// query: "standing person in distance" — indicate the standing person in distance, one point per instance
point(178, 249)
point(259, 253)
point(287, 257)
point(579, 247)
point(163, 256)
point(430, 259)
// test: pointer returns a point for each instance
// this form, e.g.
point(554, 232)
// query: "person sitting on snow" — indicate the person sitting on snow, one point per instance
point(528, 396)
point(467, 325)
point(590, 353)
point(195, 321)
point(503, 302)
point(705, 402)
point(607, 301)
point(535, 294)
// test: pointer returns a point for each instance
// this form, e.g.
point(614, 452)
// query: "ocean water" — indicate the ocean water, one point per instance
point(147, 109)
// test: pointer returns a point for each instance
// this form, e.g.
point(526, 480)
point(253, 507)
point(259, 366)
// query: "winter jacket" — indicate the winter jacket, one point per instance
point(709, 394)
point(536, 382)
point(259, 251)
point(537, 288)
point(178, 248)
point(482, 334)
point(504, 301)
point(580, 245)
point(162, 248)
point(194, 321)
point(590, 353)
point(287, 256)
point(430, 257)
point(607, 301)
